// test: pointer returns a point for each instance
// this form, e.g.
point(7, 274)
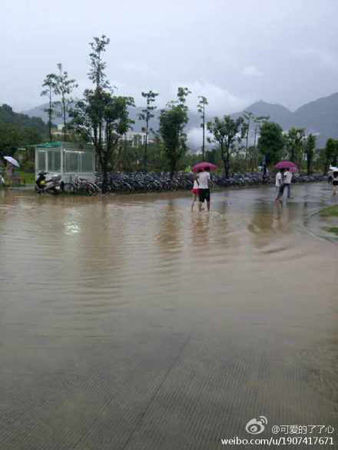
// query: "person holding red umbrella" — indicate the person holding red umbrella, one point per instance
point(288, 167)
point(287, 181)
point(204, 181)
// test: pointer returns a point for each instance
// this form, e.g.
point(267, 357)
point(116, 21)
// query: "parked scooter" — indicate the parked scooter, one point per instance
point(52, 186)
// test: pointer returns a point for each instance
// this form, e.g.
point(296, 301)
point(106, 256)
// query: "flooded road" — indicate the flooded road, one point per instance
point(131, 323)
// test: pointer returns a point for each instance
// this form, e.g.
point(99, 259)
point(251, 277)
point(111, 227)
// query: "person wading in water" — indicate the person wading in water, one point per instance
point(280, 186)
point(204, 181)
point(195, 191)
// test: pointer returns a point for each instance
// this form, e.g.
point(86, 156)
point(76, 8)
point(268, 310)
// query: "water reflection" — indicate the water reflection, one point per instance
point(200, 227)
point(169, 235)
point(109, 303)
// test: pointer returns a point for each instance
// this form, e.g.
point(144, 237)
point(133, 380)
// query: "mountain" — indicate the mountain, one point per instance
point(134, 112)
point(277, 113)
point(8, 116)
point(17, 130)
point(319, 117)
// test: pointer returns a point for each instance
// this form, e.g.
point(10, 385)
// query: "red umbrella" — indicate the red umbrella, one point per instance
point(204, 165)
point(287, 165)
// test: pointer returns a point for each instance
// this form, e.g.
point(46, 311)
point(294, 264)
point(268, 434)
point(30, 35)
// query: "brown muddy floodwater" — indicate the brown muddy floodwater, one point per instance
point(129, 322)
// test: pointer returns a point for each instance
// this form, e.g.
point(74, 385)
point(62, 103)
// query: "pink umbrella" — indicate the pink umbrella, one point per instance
point(204, 165)
point(287, 165)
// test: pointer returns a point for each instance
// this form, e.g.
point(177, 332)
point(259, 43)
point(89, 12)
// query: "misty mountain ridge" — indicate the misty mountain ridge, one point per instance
point(134, 112)
point(319, 117)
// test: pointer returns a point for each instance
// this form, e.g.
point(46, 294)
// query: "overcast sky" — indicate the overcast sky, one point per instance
point(233, 52)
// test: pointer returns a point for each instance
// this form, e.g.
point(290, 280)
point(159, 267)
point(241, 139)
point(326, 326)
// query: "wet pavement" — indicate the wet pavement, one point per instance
point(131, 323)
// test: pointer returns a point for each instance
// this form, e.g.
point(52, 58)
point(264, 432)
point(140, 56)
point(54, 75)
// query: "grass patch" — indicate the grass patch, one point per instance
point(332, 230)
point(331, 211)
point(20, 178)
point(27, 177)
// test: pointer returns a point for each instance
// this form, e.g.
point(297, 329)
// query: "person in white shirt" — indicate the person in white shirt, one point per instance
point(279, 185)
point(204, 181)
point(287, 181)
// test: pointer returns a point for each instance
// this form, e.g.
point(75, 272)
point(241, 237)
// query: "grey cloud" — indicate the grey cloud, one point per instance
point(234, 52)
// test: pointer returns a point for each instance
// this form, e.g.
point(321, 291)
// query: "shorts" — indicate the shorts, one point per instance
point(204, 194)
point(195, 191)
point(335, 182)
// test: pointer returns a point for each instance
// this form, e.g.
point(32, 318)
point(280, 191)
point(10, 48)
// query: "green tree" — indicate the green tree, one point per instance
point(225, 133)
point(310, 146)
point(50, 83)
point(147, 115)
point(97, 72)
point(173, 119)
point(331, 153)
point(295, 140)
point(19, 130)
point(100, 117)
point(271, 142)
point(259, 121)
point(203, 101)
point(64, 87)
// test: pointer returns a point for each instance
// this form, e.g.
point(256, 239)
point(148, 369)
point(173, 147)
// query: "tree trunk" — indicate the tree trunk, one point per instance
point(172, 168)
point(226, 161)
point(64, 118)
point(50, 111)
point(104, 179)
point(203, 142)
point(145, 156)
point(104, 174)
point(225, 167)
point(104, 167)
point(308, 164)
point(226, 164)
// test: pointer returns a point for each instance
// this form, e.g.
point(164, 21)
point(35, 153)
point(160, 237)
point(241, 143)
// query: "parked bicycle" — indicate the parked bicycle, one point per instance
point(82, 186)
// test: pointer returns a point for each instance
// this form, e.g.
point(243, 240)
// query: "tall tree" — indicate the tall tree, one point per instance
point(225, 133)
point(295, 139)
point(49, 84)
point(271, 142)
point(172, 122)
point(203, 101)
point(331, 153)
point(310, 145)
point(258, 121)
point(97, 72)
point(64, 87)
point(147, 115)
point(100, 117)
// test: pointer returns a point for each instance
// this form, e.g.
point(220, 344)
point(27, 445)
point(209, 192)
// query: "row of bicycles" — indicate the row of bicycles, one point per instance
point(146, 182)
point(117, 182)
point(54, 185)
point(81, 186)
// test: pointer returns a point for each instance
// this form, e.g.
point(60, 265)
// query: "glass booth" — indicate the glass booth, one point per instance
point(67, 159)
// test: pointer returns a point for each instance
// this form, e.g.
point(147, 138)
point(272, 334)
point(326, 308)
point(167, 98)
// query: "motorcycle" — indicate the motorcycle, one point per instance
point(54, 185)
